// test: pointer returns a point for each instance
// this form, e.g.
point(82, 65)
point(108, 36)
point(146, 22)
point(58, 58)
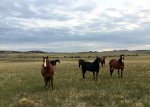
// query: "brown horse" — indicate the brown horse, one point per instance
point(103, 60)
point(47, 72)
point(117, 64)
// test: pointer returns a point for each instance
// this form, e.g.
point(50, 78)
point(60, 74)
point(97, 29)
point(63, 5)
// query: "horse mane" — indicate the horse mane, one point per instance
point(119, 60)
point(96, 60)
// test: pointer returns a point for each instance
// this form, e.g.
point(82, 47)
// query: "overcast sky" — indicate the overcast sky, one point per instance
point(74, 25)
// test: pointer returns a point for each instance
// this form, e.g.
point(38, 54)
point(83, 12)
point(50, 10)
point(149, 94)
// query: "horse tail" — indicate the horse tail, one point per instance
point(79, 64)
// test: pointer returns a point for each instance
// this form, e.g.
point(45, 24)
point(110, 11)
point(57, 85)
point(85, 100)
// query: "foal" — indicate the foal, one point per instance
point(117, 64)
point(47, 72)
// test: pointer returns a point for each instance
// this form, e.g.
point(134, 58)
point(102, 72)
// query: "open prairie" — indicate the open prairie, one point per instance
point(20, 77)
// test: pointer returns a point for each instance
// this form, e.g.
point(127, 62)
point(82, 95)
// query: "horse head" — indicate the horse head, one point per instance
point(58, 60)
point(102, 58)
point(45, 61)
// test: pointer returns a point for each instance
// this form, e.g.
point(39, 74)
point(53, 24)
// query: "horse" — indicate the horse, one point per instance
point(54, 62)
point(117, 64)
point(47, 72)
point(90, 66)
point(103, 60)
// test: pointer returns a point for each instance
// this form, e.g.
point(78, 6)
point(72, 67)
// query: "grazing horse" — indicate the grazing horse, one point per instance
point(103, 60)
point(47, 72)
point(117, 64)
point(54, 62)
point(90, 66)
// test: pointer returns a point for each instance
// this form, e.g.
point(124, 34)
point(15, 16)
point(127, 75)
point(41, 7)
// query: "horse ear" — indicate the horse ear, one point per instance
point(47, 57)
point(42, 56)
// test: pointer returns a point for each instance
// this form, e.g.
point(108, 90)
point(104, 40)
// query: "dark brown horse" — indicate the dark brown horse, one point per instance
point(117, 64)
point(103, 60)
point(54, 62)
point(90, 66)
point(47, 72)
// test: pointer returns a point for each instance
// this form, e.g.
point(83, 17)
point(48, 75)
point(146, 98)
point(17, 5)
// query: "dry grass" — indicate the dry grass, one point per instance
point(22, 79)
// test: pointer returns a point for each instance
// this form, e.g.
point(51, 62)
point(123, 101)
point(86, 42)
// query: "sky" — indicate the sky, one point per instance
point(74, 25)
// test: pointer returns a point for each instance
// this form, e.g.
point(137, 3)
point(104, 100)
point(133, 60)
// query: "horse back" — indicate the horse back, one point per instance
point(90, 66)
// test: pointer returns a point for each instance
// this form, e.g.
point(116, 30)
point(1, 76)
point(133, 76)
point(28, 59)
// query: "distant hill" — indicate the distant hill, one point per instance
point(118, 51)
point(10, 52)
point(142, 50)
point(22, 52)
point(37, 51)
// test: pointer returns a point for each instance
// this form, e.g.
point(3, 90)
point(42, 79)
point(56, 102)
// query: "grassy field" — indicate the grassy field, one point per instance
point(20, 77)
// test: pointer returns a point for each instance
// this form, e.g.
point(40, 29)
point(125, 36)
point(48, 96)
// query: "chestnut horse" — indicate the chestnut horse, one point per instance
point(90, 66)
point(103, 60)
point(47, 72)
point(117, 64)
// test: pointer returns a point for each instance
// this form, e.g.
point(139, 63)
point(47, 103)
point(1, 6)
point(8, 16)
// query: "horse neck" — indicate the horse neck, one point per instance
point(96, 61)
point(120, 60)
point(48, 67)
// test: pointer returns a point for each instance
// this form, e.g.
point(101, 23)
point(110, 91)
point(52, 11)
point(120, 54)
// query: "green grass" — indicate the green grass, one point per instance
point(21, 78)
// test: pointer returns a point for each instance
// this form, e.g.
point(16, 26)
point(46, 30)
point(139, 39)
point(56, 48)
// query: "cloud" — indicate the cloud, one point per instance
point(74, 25)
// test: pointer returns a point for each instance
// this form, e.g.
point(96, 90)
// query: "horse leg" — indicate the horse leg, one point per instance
point(52, 83)
point(94, 74)
point(49, 83)
point(83, 72)
point(118, 74)
point(110, 72)
point(45, 83)
point(113, 70)
point(121, 72)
